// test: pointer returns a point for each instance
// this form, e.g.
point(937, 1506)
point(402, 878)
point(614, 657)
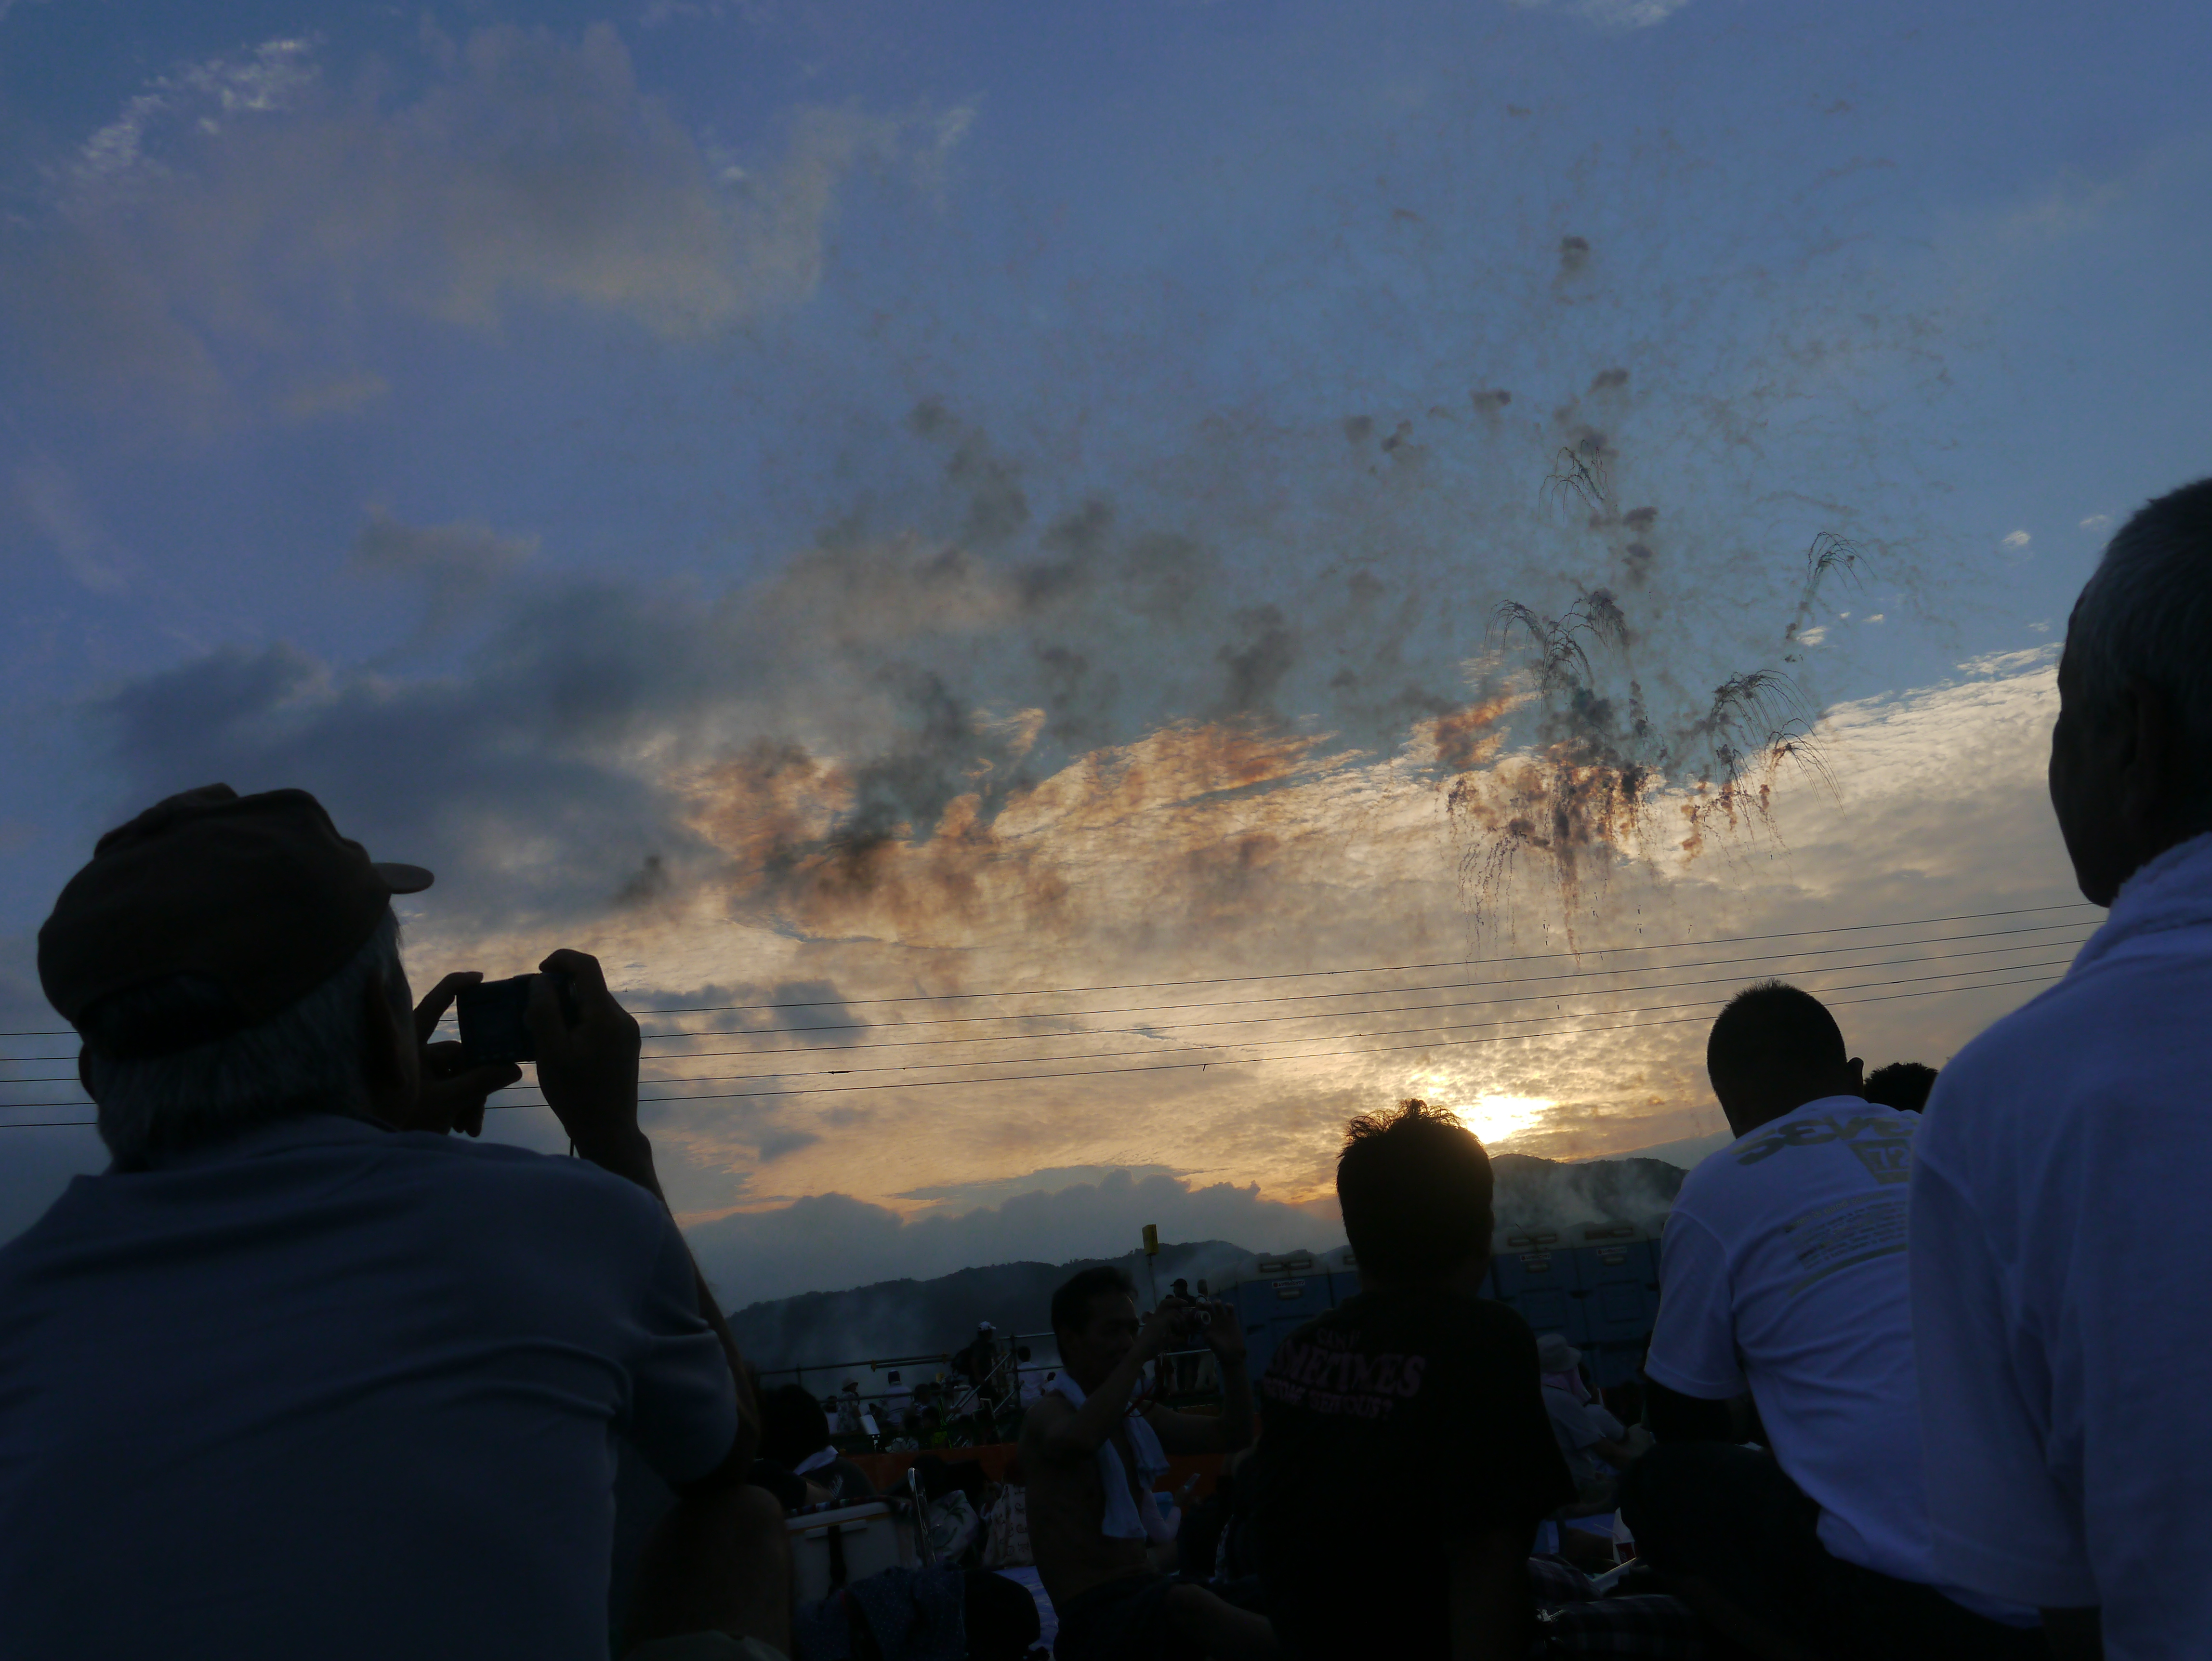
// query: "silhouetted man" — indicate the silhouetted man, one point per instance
point(1091, 1451)
point(302, 1375)
point(1407, 1456)
point(2061, 1233)
point(1901, 1085)
point(1782, 1270)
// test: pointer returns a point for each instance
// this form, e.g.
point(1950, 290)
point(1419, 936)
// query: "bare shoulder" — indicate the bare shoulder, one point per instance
point(1038, 1422)
point(1044, 1417)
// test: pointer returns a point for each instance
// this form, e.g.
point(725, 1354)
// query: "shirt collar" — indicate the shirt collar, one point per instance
point(299, 1130)
point(2171, 892)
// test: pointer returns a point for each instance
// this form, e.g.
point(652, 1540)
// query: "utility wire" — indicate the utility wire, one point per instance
point(1312, 1015)
point(1161, 1066)
point(1316, 1038)
point(1460, 1026)
point(1303, 974)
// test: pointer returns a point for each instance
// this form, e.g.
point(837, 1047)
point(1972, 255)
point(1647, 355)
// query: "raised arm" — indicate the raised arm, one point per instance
point(1199, 1433)
point(1078, 1433)
point(588, 1067)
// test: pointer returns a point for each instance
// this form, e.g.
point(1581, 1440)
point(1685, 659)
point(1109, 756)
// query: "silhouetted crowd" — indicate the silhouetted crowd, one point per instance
point(306, 1373)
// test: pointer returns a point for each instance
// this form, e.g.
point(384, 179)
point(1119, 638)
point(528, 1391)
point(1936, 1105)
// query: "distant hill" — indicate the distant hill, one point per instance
point(913, 1317)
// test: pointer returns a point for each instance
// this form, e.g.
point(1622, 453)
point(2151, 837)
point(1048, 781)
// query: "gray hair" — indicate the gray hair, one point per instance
point(306, 1059)
point(2146, 613)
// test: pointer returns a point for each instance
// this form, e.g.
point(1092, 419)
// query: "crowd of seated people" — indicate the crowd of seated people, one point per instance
point(306, 1373)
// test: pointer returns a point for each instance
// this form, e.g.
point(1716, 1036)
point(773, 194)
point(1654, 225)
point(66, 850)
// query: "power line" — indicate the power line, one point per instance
point(1304, 974)
point(1014, 1037)
point(1317, 1015)
point(1320, 1037)
point(1378, 969)
point(1460, 1026)
point(1171, 1067)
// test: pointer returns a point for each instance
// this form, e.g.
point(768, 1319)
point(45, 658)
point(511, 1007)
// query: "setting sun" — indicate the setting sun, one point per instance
point(1498, 1119)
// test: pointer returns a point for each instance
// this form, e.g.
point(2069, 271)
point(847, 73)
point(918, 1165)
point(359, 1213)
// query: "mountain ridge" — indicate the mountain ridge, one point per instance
point(905, 1317)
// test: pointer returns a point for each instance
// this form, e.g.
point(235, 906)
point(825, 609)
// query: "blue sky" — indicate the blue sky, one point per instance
point(516, 424)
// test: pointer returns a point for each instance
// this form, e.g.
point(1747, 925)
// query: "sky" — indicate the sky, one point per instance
point(1073, 596)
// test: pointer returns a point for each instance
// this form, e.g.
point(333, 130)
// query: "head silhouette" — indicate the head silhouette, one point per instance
point(1774, 1048)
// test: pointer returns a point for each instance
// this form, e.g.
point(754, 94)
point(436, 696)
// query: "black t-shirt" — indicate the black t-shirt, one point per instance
point(1390, 1426)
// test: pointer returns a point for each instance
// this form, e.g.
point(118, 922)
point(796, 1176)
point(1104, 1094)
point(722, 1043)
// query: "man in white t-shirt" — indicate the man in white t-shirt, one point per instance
point(301, 1374)
point(2061, 1292)
point(1783, 1272)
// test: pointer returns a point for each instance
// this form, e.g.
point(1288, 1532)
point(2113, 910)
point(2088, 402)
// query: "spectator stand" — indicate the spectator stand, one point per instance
point(829, 1379)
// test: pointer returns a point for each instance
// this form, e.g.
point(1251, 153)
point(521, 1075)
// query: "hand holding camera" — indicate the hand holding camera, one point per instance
point(1223, 1332)
point(454, 1083)
point(586, 1046)
point(564, 1019)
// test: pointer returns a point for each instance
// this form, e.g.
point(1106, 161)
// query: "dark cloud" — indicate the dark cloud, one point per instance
point(776, 1144)
point(1258, 659)
point(458, 565)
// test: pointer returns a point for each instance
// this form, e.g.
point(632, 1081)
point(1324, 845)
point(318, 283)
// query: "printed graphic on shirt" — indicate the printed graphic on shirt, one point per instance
point(1845, 1232)
point(1883, 1142)
point(1332, 1374)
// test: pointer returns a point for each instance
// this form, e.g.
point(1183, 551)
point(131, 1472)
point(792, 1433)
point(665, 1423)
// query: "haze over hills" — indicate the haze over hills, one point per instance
point(912, 1317)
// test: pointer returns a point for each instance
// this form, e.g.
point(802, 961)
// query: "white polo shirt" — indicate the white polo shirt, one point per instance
point(1782, 1270)
point(2062, 1281)
point(331, 1391)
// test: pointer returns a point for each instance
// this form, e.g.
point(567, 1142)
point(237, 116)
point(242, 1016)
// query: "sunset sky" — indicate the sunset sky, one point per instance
point(970, 550)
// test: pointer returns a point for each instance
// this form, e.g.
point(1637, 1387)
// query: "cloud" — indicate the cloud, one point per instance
point(832, 1240)
point(1612, 15)
point(2016, 540)
point(1049, 1181)
point(2096, 521)
point(49, 504)
point(251, 211)
point(345, 395)
point(458, 565)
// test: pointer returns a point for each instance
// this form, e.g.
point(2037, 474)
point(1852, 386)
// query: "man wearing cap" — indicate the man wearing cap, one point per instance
point(302, 1375)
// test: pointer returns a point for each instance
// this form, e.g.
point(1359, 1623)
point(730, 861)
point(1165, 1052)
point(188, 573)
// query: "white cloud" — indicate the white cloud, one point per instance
point(47, 496)
point(342, 395)
point(273, 79)
point(2017, 539)
point(2096, 521)
point(1612, 14)
point(240, 212)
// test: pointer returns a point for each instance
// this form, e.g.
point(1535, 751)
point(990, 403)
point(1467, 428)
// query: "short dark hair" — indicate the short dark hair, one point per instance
point(1773, 1031)
point(2143, 614)
point(792, 1425)
point(1901, 1085)
point(1071, 1305)
point(1415, 1187)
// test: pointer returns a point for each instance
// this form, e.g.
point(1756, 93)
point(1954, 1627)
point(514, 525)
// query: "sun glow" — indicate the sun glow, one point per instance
point(1496, 1119)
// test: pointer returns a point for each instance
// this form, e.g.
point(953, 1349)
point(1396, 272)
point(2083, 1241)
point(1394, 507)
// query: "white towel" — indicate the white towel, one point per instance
point(1125, 1519)
point(814, 1462)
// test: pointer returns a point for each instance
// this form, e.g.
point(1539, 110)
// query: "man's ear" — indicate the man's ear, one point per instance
point(2152, 763)
point(1856, 1068)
